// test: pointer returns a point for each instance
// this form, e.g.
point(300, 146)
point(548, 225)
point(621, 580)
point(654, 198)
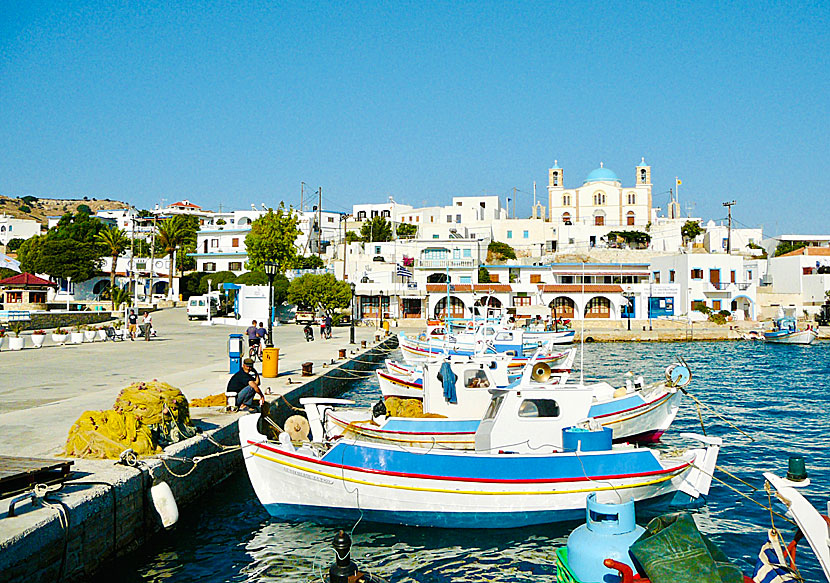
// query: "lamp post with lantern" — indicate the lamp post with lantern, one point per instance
point(271, 268)
point(351, 319)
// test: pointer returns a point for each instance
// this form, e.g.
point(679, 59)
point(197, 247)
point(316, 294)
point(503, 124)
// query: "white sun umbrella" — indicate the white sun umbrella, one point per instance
point(9, 263)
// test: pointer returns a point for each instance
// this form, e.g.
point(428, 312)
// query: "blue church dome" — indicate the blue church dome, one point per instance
point(602, 174)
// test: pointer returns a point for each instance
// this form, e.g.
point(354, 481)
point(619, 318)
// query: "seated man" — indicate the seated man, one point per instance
point(245, 383)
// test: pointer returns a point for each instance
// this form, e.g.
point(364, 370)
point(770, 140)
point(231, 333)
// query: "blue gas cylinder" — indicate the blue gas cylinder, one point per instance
point(608, 532)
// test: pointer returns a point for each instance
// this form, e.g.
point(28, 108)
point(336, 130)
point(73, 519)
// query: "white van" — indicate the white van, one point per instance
point(197, 306)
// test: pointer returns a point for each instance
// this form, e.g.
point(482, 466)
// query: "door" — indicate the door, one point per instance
point(714, 277)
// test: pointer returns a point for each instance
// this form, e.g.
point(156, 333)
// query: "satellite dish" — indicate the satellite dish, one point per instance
point(678, 375)
point(541, 372)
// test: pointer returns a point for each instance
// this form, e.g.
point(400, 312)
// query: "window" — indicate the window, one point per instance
point(732, 276)
point(361, 215)
point(714, 276)
point(474, 379)
point(535, 278)
point(468, 253)
point(214, 242)
point(566, 200)
point(567, 279)
point(643, 175)
point(629, 218)
point(457, 203)
point(521, 301)
point(539, 408)
point(599, 198)
point(418, 219)
point(656, 275)
point(377, 249)
point(465, 279)
point(494, 278)
point(749, 275)
point(493, 407)
point(431, 219)
point(716, 305)
point(386, 214)
point(555, 179)
point(449, 218)
point(235, 242)
point(435, 236)
point(235, 266)
point(456, 253)
point(457, 218)
point(525, 234)
point(671, 275)
point(598, 307)
point(632, 198)
point(209, 266)
point(697, 274)
point(724, 243)
point(509, 234)
point(331, 219)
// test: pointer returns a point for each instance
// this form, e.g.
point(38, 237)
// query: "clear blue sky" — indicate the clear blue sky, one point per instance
point(238, 102)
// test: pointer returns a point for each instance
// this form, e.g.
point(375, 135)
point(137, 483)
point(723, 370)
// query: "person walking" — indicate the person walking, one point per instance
point(328, 326)
point(253, 338)
point(147, 325)
point(262, 334)
point(132, 324)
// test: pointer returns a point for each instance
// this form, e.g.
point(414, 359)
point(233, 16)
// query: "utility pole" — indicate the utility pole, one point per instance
point(729, 228)
point(302, 197)
point(320, 222)
point(514, 202)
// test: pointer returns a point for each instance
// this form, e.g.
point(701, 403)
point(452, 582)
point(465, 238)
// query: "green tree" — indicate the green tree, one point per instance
point(483, 275)
point(216, 279)
point(114, 240)
point(320, 291)
point(252, 278)
point(352, 237)
point(310, 262)
point(788, 246)
point(500, 251)
point(177, 233)
point(30, 200)
point(378, 229)
point(62, 258)
point(24, 209)
point(14, 244)
point(407, 231)
point(272, 238)
point(690, 230)
point(84, 208)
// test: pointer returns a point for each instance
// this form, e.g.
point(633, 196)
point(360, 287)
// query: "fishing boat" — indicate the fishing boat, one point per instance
point(531, 465)
point(635, 413)
point(785, 331)
point(407, 381)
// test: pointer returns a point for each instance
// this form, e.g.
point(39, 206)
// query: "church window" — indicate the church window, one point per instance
point(599, 198)
point(556, 178)
point(566, 200)
point(643, 175)
point(632, 198)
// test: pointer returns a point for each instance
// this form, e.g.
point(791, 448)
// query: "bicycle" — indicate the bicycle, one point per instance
point(253, 352)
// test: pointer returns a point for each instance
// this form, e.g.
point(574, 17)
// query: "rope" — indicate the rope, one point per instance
point(713, 411)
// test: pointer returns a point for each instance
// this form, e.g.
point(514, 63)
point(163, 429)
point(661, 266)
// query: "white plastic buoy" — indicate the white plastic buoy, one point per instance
point(165, 504)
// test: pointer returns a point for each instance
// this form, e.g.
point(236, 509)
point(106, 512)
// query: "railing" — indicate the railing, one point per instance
point(441, 263)
point(724, 285)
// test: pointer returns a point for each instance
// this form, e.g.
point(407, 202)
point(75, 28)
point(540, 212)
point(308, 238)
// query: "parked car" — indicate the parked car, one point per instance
point(304, 316)
point(197, 307)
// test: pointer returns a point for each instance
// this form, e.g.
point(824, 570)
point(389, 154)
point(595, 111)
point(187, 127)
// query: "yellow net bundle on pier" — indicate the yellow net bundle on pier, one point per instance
point(144, 418)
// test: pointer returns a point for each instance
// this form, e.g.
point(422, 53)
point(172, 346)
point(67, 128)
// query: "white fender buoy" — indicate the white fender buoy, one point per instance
point(165, 504)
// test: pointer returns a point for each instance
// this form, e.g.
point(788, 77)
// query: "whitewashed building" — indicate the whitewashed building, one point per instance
point(14, 228)
point(804, 272)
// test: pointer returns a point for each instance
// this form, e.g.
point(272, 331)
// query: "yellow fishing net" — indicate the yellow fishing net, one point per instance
point(144, 418)
point(211, 401)
point(397, 407)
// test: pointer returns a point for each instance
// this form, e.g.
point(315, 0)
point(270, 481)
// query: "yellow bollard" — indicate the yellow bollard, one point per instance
point(270, 362)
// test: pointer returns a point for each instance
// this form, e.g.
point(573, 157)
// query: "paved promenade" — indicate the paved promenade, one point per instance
point(44, 391)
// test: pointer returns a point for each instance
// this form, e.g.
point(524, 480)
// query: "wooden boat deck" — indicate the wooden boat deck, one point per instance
point(18, 474)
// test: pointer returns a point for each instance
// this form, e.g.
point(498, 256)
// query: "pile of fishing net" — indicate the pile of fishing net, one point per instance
point(145, 418)
point(397, 407)
point(211, 401)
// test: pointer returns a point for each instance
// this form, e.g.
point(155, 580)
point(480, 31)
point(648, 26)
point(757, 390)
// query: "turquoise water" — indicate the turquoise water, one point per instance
point(777, 394)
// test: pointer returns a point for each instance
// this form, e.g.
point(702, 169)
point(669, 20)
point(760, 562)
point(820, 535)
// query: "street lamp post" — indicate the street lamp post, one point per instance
point(380, 311)
point(351, 320)
point(271, 271)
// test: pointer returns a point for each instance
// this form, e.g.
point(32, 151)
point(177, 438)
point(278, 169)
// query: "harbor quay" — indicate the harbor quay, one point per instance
point(105, 508)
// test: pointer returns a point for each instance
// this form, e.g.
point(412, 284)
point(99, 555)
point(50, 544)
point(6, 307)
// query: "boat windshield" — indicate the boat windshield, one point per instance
point(493, 407)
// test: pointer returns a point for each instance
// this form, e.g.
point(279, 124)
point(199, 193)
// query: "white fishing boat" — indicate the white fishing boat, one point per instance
point(635, 413)
point(785, 331)
point(530, 466)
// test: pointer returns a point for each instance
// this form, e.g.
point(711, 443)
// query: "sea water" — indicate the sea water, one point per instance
point(778, 395)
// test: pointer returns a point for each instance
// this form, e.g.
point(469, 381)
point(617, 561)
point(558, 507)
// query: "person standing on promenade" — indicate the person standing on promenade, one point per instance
point(328, 325)
point(245, 383)
point(147, 325)
point(132, 324)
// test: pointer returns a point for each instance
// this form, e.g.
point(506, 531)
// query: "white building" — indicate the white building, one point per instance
point(13, 228)
point(717, 281)
point(804, 272)
point(717, 238)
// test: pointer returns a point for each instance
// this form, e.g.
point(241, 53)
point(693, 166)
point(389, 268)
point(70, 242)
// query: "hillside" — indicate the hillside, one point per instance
point(46, 207)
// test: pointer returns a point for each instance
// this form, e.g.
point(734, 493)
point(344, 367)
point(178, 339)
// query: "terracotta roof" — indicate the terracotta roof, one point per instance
point(578, 288)
point(812, 251)
point(26, 279)
point(467, 288)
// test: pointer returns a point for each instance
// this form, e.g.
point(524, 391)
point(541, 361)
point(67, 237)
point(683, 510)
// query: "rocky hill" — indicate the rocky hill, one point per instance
point(39, 209)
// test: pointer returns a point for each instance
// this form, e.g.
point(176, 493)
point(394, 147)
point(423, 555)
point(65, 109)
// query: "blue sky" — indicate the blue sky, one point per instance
point(237, 103)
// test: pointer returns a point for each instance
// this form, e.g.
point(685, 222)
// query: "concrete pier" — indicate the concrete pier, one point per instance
point(105, 509)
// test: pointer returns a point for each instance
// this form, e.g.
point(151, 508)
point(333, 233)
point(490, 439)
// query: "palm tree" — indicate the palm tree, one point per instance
point(173, 234)
point(116, 242)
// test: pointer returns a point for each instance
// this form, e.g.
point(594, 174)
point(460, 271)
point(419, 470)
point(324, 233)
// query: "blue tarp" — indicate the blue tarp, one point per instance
point(448, 379)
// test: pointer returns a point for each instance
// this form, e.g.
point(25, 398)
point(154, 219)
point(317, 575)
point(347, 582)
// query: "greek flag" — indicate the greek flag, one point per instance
point(403, 271)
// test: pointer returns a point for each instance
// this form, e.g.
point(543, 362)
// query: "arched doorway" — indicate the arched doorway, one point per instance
point(598, 307)
point(566, 218)
point(100, 287)
point(456, 308)
point(629, 218)
point(437, 278)
point(562, 307)
point(599, 218)
point(488, 302)
point(741, 307)
point(160, 288)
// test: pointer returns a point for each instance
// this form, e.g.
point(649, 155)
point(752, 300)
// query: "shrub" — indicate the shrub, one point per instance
point(702, 308)
point(501, 250)
point(24, 209)
point(717, 317)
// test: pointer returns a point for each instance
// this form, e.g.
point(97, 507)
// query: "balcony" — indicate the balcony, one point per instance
point(724, 285)
point(444, 263)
